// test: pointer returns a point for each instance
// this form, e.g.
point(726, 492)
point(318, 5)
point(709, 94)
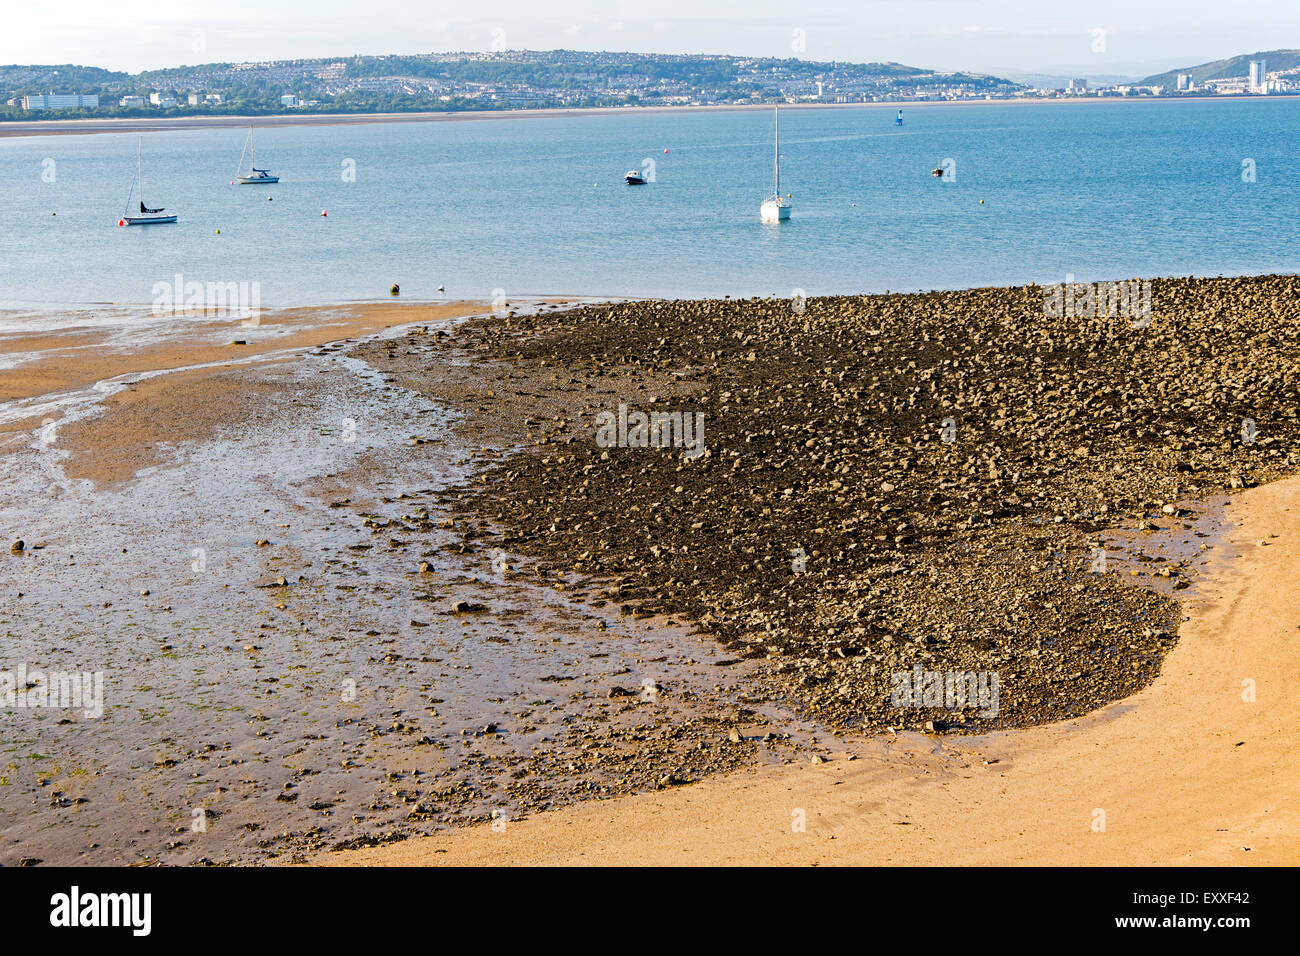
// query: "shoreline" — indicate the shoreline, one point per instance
point(16, 128)
point(512, 695)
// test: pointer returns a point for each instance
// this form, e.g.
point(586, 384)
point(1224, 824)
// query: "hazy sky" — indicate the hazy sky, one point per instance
point(998, 36)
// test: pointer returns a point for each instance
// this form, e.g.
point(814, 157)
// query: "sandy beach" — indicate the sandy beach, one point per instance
point(370, 588)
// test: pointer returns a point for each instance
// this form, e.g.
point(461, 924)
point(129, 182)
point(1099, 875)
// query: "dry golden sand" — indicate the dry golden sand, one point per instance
point(1186, 772)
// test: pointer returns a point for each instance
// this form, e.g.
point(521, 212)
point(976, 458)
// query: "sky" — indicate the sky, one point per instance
point(1096, 37)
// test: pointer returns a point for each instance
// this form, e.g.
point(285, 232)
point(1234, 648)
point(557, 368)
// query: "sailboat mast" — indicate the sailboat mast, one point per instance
point(776, 155)
point(252, 143)
point(139, 172)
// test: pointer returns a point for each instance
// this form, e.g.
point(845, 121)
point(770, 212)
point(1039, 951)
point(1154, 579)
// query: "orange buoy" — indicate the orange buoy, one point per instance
point(121, 222)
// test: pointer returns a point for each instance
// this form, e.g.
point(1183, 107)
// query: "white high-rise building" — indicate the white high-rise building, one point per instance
point(1184, 81)
point(61, 101)
point(1257, 77)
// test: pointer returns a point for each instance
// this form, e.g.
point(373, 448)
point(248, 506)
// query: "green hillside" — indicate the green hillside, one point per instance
point(1225, 69)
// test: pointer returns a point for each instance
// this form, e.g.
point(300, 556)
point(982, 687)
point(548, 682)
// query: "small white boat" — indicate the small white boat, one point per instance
point(776, 208)
point(147, 216)
point(255, 177)
point(634, 178)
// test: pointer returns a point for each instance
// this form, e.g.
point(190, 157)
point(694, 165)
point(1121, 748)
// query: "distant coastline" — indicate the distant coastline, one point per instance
point(13, 128)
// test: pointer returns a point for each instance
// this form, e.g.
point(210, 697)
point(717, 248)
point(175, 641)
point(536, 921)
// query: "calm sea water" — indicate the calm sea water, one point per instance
point(533, 206)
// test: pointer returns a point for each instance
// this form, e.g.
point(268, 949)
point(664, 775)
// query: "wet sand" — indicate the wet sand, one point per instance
point(301, 647)
point(80, 355)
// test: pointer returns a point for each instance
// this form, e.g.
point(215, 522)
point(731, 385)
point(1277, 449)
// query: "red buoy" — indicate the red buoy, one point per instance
point(323, 212)
point(121, 222)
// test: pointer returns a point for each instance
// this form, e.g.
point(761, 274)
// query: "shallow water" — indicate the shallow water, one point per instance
point(537, 205)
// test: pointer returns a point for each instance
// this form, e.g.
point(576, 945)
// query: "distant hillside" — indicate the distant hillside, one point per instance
point(503, 79)
point(1226, 69)
point(58, 78)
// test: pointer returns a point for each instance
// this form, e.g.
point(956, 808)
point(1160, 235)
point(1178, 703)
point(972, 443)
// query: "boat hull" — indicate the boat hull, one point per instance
point(256, 180)
point(635, 181)
point(148, 220)
point(774, 211)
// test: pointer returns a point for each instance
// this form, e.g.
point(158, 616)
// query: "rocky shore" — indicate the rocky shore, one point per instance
point(883, 482)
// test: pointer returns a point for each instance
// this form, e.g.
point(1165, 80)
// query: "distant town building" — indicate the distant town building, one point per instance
point(1078, 85)
point(164, 100)
point(132, 101)
point(289, 100)
point(1258, 77)
point(1184, 81)
point(61, 101)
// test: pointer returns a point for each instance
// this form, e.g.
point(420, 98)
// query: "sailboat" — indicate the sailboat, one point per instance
point(776, 208)
point(255, 176)
point(147, 217)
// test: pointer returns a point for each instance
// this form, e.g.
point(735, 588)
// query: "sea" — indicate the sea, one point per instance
point(530, 206)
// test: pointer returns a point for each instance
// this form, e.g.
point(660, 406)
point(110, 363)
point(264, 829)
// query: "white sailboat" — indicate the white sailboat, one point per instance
point(776, 208)
point(147, 216)
point(255, 176)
